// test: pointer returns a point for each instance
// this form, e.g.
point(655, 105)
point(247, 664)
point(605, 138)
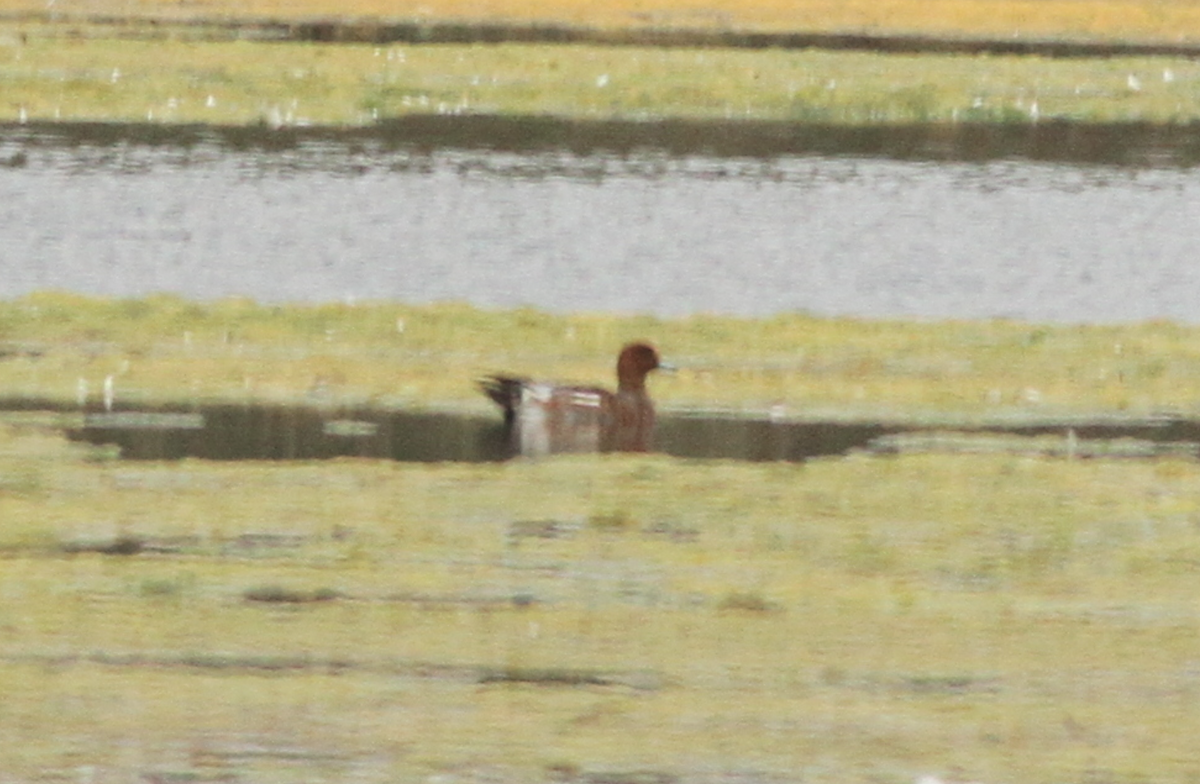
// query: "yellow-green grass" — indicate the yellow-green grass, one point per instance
point(57, 346)
point(1143, 20)
point(49, 77)
point(988, 617)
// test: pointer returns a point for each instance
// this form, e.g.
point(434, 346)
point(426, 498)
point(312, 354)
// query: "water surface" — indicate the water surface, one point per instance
point(279, 432)
point(977, 233)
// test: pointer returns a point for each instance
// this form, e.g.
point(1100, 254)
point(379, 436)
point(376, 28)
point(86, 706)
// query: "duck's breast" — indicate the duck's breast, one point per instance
point(631, 425)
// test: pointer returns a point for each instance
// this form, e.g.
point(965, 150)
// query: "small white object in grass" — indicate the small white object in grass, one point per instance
point(210, 101)
point(1133, 83)
point(602, 80)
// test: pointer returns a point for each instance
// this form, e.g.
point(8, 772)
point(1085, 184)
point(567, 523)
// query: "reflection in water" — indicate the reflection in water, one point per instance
point(666, 219)
point(233, 432)
point(246, 432)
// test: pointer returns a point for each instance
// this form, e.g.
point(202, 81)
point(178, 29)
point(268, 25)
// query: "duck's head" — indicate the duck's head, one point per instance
point(635, 361)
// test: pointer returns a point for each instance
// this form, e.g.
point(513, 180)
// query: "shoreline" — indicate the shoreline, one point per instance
point(1154, 21)
point(381, 31)
point(167, 348)
point(1138, 144)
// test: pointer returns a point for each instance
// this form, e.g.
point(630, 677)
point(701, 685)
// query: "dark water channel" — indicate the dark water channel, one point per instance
point(1046, 223)
point(274, 432)
point(285, 433)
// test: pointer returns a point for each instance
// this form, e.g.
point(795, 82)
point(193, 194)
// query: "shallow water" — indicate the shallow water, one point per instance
point(276, 432)
point(667, 232)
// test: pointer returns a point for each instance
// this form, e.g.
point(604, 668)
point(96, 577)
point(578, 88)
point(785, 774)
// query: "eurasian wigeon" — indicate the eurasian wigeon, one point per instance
point(548, 418)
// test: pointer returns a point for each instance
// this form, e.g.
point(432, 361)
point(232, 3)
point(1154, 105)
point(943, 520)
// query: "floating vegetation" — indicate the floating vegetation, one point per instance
point(144, 420)
point(350, 428)
point(1067, 445)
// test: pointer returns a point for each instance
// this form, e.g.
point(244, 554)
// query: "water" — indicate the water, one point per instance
point(612, 226)
point(279, 432)
point(261, 432)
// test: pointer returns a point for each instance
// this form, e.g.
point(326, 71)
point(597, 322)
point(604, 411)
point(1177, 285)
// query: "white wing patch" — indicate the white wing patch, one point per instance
point(581, 397)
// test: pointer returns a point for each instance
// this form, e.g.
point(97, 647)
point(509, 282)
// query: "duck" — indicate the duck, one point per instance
point(545, 417)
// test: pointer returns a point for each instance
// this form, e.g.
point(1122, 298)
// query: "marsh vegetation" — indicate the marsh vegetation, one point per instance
point(994, 615)
point(1120, 20)
point(65, 348)
point(876, 617)
point(863, 619)
point(48, 75)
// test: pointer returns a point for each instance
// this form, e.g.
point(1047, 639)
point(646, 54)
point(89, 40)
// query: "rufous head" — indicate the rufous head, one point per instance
point(633, 363)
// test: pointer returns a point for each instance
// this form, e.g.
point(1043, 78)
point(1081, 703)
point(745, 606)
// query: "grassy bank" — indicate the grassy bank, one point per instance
point(1125, 20)
point(990, 618)
point(46, 76)
point(164, 348)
